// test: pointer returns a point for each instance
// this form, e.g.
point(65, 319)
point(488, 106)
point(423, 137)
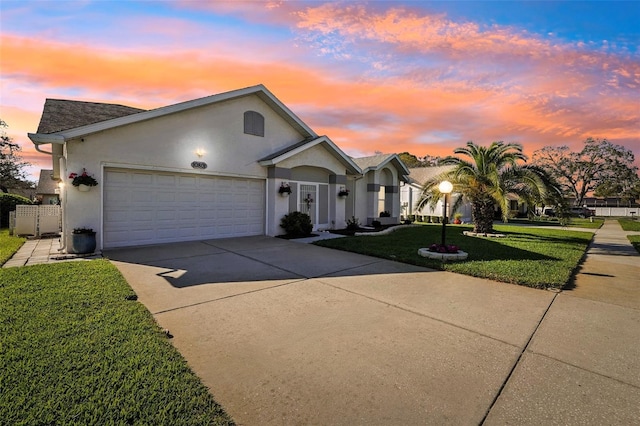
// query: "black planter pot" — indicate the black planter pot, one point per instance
point(83, 243)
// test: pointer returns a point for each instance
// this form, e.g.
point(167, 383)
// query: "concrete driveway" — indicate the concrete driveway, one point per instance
point(290, 333)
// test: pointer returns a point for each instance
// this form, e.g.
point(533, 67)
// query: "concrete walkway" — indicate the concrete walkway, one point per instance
point(43, 250)
point(582, 365)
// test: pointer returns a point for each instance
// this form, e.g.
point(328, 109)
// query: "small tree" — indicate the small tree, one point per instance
point(12, 167)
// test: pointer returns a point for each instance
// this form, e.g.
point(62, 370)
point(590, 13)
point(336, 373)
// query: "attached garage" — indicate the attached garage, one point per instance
point(148, 207)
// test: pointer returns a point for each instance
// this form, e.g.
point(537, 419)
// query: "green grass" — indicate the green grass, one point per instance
point(74, 350)
point(629, 225)
point(635, 240)
point(573, 222)
point(539, 258)
point(8, 245)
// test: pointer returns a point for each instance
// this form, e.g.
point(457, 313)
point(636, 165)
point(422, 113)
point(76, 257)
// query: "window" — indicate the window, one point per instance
point(253, 123)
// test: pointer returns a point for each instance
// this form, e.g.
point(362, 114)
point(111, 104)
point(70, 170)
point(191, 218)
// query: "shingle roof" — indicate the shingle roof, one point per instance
point(60, 114)
point(46, 183)
point(420, 175)
point(287, 149)
point(372, 161)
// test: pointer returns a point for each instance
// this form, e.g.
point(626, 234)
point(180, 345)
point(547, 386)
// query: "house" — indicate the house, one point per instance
point(47, 191)
point(206, 168)
point(410, 194)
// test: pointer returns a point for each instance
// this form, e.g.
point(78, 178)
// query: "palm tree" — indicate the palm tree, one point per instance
point(486, 180)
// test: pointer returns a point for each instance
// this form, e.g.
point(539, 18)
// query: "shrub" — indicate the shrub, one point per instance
point(8, 203)
point(296, 224)
point(353, 223)
point(376, 224)
point(385, 214)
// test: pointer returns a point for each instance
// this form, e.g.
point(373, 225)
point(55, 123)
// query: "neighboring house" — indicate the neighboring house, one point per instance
point(47, 191)
point(410, 194)
point(206, 168)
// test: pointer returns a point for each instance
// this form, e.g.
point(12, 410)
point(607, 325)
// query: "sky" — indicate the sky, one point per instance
point(379, 76)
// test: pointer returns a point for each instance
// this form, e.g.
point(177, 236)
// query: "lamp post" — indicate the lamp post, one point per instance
point(445, 188)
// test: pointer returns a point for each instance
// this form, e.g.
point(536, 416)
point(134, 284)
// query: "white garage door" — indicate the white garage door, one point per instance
point(144, 207)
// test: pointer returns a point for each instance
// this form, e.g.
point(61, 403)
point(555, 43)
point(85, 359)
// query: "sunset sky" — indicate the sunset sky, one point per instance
point(424, 77)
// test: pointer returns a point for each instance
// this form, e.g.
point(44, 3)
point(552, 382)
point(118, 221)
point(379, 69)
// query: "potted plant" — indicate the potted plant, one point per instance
point(457, 218)
point(83, 181)
point(83, 240)
point(285, 189)
point(344, 192)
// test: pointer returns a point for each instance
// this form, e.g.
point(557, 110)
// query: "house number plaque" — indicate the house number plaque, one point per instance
point(199, 165)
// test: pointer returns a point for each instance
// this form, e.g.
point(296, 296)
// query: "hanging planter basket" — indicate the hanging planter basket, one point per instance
point(83, 188)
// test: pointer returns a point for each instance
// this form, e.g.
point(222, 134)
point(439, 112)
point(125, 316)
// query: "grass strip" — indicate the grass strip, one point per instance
point(74, 350)
point(9, 245)
point(539, 258)
point(572, 222)
point(635, 240)
point(629, 224)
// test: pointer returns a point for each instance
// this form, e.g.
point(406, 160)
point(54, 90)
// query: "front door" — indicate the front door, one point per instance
point(314, 201)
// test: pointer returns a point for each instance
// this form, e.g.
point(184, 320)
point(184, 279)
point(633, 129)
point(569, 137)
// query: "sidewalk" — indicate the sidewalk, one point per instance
point(582, 365)
point(43, 250)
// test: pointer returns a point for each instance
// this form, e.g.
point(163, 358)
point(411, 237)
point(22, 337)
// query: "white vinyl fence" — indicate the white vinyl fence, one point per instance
point(35, 220)
point(617, 211)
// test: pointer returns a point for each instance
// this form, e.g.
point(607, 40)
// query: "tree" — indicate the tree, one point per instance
point(412, 161)
point(487, 179)
point(12, 172)
point(600, 166)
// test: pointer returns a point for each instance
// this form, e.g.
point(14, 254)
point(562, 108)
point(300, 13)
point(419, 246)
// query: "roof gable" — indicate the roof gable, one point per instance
point(376, 162)
point(261, 91)
point(46, 183)
point(305, 144)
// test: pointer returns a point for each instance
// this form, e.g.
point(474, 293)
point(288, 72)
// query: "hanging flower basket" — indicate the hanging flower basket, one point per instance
point(343, 193)
point(83, 181)
point(285, 189)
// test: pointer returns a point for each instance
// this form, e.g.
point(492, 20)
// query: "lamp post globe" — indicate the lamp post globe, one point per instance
point(445, 187)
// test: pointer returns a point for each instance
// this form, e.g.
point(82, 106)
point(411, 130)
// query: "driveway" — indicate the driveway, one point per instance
point(289, 333)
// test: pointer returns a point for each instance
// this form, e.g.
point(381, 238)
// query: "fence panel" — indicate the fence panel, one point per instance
point(49, 219)
point(26, 220)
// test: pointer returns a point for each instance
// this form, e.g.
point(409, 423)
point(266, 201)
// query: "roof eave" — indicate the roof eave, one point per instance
point(343, 158)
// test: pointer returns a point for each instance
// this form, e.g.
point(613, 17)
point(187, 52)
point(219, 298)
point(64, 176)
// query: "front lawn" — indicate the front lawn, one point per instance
point(629, 224)
point(572, 222)
point(74, 349)
point(540, 258)
point(635, 240)
point(8, 245)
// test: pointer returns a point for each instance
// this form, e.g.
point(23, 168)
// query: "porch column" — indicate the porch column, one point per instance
point(337, 205)
point(373, 192)
point(276, 205)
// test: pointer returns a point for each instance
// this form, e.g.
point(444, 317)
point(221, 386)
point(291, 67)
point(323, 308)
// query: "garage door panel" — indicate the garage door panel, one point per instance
point(146, 207)
point(141, 179)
